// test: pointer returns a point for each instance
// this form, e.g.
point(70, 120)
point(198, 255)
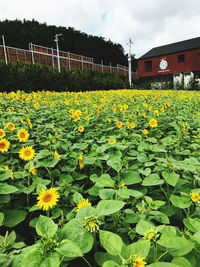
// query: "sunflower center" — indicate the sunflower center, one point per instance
point(2, 145)
point(47, 197)
point(27, 153)
point(10, 127)
point(22, 135)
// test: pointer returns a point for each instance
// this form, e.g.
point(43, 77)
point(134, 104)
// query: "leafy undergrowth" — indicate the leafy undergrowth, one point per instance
point(107, 178)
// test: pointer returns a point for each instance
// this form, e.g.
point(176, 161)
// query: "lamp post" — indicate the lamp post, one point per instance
point(129, 63)
point(4, 48)
point(58, 58)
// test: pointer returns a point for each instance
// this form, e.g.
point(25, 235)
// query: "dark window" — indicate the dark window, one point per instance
point(181, 58)
point(148, 65)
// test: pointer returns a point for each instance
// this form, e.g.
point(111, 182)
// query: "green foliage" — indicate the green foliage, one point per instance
point(28, 77)
point(135, 201)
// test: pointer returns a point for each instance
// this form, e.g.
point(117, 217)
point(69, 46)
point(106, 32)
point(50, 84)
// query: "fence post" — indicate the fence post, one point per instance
point(110, 68)
point(17, 55)
point(33, 61)
point(52, 57)
point(4, 48)
point(82, 62)
point(102, 65)
point(69, 61)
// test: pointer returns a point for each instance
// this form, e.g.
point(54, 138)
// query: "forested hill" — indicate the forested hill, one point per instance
point(20, 33)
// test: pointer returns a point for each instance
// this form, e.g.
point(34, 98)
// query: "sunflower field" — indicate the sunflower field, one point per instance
point(100, 178)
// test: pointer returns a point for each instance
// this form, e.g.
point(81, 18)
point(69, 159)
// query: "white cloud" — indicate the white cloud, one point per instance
point(149, 23)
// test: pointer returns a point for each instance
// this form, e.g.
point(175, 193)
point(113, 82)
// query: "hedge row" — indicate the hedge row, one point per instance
point(28, 77)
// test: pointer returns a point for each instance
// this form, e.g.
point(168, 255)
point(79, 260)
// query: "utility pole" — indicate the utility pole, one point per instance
point(58, 57)
point(129, 63)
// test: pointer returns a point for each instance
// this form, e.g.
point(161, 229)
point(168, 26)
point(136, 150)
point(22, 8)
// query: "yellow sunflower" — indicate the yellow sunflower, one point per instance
point(119, 124)
point(132, 125)
point(10, 126)
point(195, 197)
point(4, 145)
point(32, 170)
point(145, 131)
point(27, 153)
point(112, 142)
point(138, 262)
point(153, 123)
point(83, 203)
point(56, 154)
point(36, 105)
point(80, 161)
point(2, 133)
point(47, 198)
point(81, 129)
point(23, 135)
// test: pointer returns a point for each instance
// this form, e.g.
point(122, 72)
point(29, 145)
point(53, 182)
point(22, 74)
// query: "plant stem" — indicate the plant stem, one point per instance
point(168, 202)
point(87, 262)
point(27, 197)
point(95, 243)
point(155, 252)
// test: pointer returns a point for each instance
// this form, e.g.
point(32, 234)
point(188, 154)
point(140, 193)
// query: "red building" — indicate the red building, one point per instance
point(176, 62)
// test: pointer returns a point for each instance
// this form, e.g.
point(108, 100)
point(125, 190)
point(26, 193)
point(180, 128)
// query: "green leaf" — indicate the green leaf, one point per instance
point(5, 175)
point(135, 193)
point(143, 226)
point(145, 172)
point(180, 202)
point(123, 193)
point(196, 237)
point(1, 218)
point(107, 207)
point(105, 181)
point(46, 227)
point(32, 259)
point(170, 177)
point(7, 189)
point(42, 154)
point(140, 248)
point(152, 180)
point(5, 260)
point(181, 261)
point(115, 164)
point(192, 224)
point(163, 264)
point(131, 177)
point(13, 217)
point(69, 248)
point(111, 242)
point(159, 217)
point(106, 193)
point(101, 257)
point(74, 231)
point(51, 163)
point(77, 197)
point(110, 264)
point(178, 246)
point(52, 261)
point(142, 157)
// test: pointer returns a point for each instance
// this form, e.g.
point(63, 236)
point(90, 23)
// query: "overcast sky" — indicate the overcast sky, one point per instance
point(149, 23)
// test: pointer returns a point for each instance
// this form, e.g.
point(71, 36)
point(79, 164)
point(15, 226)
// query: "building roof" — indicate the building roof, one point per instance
point(190, 44)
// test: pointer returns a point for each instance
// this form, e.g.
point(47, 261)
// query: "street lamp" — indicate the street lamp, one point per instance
point(129, 63)
point(58, 58)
